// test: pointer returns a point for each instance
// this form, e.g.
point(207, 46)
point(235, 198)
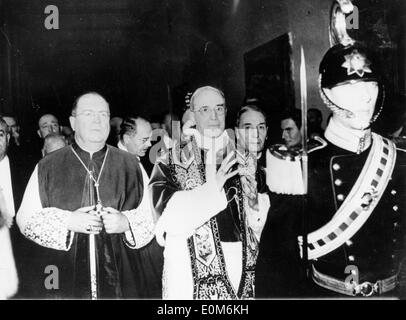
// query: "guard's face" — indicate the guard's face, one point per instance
point(91, 121)
point(4, 138)
point(48, 124)
point(252, 131)
point(210, 113)
point(139, 143)
point(359, 98)
point(290, 133)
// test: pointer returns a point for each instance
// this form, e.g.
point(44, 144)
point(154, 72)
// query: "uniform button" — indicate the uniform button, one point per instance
point(340, 197)
point(348, 243)
point(351, 258)
point(395, 224)
point(393, 192)
point(395, 208)
point(336, 167)
point(338, 182)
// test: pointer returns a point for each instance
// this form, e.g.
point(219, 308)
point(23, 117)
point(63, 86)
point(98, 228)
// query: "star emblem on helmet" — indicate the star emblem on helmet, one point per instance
point(356, 63)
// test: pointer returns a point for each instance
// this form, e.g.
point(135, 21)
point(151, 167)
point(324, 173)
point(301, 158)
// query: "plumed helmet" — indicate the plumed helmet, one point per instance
point(347, 61)
point(348, 64)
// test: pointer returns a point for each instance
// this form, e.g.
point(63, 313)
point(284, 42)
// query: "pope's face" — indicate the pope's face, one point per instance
point(359, 98)
point(210, 113)
point(91, 121)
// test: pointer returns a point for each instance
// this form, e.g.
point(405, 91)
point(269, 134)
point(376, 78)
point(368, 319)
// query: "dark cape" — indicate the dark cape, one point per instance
point(279, 271)
point(65, 184)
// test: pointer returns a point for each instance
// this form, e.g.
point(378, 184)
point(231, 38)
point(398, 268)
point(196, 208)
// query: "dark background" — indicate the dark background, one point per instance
point(143, 55)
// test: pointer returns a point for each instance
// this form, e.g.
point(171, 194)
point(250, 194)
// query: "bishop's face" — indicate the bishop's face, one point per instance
point(359, 98)
point(210, 113)
point(91, 121)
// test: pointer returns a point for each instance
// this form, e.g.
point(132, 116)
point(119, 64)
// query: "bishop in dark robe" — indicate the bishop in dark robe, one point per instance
point(106, 185)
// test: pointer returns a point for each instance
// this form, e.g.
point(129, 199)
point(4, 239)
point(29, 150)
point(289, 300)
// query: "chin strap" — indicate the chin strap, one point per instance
point(347, 113)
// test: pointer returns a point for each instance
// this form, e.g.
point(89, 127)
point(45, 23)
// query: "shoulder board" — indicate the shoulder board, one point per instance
point(400, 143)
point(280, 151)
point(316, 143)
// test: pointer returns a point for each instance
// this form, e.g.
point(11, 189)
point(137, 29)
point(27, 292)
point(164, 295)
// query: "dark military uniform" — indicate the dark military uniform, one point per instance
point(378, 248)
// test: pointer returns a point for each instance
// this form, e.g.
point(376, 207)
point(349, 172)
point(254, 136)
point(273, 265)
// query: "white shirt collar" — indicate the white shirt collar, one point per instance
point(211, 144)
point(121, 146)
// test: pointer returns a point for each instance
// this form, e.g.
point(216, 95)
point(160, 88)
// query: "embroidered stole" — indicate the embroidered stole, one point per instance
point(360, 202)
point(210, 278)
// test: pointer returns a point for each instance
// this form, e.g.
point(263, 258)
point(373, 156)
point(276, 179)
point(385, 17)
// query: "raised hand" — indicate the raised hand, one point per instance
point(223, 173)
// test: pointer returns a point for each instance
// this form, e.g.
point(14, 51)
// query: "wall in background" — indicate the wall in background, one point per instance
point(143, 55)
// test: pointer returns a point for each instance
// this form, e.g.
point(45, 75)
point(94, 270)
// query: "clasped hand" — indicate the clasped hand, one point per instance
point(87, 220)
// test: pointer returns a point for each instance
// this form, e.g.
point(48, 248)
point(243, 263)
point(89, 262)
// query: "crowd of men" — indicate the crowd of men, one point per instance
point(209, 212)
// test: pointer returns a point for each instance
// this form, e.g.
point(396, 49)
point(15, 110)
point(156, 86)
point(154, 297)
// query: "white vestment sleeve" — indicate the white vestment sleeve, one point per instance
point(141, 219)
point(188, 210)
point(45, 226)
point(141, 227)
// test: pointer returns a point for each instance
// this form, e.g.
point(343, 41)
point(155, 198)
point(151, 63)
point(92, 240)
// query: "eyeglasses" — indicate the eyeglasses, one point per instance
point(91, 114)
point(205, 111)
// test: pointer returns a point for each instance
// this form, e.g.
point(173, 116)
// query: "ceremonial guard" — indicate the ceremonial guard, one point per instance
point(356, 188)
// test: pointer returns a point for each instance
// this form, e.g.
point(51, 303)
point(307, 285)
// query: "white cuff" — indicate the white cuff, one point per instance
point(188, 210)
point(48, 228)
point(141, 228)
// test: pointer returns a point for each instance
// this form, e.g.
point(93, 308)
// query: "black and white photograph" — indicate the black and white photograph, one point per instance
point(223, 150)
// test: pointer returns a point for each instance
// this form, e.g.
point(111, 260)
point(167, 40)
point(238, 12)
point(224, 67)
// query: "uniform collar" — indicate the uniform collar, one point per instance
point(349, 139)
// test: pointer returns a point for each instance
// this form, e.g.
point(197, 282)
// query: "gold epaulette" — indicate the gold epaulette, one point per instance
point(400, 143)
point(316, 143)
point(282, 152)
